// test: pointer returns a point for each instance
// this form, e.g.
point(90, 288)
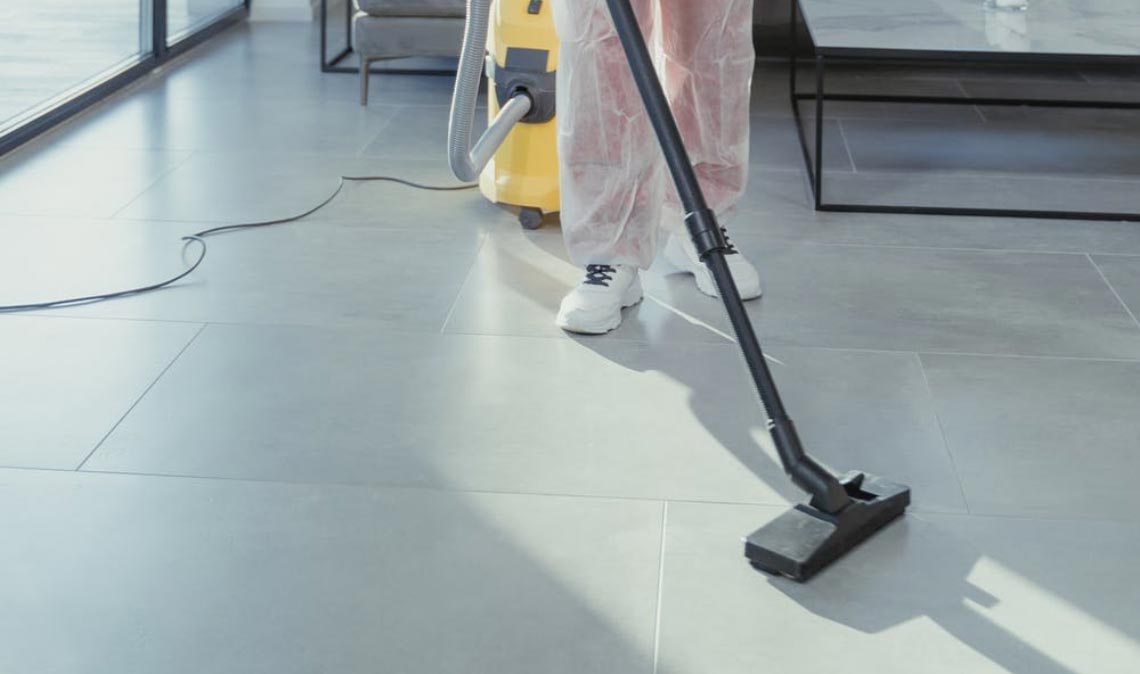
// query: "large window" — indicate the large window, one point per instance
point(49, 48)
point(57, 56)
point(185, 16)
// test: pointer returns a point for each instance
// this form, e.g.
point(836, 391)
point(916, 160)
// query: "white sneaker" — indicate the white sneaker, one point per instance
point(594, 307)
point(681, 253)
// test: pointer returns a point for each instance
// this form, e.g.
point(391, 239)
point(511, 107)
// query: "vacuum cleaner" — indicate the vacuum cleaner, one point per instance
point(842, 511)
point(516, 159)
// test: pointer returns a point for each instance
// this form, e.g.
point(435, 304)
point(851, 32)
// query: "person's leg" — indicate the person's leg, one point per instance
point(612, 177)
point(708, 60)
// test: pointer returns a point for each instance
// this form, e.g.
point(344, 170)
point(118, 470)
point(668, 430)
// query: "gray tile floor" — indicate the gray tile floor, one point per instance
point(357, 444)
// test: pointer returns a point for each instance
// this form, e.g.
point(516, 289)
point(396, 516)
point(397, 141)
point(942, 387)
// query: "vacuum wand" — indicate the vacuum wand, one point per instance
point(841, 513)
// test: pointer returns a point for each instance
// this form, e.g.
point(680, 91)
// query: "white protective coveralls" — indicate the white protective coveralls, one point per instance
point(616, 191)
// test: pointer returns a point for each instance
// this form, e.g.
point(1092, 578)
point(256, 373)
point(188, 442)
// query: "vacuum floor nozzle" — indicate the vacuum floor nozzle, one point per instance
point(802, 541)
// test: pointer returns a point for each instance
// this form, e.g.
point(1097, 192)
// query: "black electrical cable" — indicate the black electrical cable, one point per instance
point(200, 239)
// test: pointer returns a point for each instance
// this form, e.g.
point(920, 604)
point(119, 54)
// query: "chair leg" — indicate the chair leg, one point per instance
point(365, 66)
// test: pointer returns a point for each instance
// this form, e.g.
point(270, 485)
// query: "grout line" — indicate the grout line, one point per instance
point(1128, 255)
point(466, 279)
point(918, 510)
point(407, 486)
point(692, 320)
point(390, 116)
point(942, 432)
point(683, 343)
point(846, 145)
point(660, 587)
point(55, 314)
point(960, 354)
point(888, 246)
point(159, 178)
point(1113, 289)
point(139, 399)
point(806, 221)
point(981, 115)
point(775, 344)
point(1012, 177)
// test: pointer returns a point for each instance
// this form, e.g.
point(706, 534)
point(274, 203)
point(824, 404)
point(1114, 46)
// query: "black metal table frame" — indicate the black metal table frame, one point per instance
point(822, 57)
point(333, 65)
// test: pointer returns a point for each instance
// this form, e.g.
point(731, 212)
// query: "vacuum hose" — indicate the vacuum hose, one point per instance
point(467, 162)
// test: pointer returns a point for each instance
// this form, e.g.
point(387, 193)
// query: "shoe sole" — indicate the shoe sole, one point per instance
point(676, 256)
point(633, 296)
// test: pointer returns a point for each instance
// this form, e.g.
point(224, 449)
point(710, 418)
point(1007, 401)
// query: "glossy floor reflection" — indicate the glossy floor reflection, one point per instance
point(357, 443)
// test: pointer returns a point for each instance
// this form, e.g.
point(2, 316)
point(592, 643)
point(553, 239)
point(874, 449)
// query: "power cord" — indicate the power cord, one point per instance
point(200, 239)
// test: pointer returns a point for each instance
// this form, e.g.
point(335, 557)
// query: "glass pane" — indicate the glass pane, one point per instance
point(50, 49)
point(185, 16)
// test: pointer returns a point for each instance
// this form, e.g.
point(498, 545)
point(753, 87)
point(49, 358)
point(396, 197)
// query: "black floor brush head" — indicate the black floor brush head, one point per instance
point(802, 541)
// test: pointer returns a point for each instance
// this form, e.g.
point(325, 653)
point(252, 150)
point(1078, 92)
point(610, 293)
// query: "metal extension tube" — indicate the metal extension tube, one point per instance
point(828, 494)
point(466, 161)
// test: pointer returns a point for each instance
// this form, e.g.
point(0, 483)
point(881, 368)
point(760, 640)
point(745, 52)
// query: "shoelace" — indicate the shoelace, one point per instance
point(731, 246)
point(599, 274)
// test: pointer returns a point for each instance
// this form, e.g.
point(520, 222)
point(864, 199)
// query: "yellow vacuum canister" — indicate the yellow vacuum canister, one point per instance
point(522, 58)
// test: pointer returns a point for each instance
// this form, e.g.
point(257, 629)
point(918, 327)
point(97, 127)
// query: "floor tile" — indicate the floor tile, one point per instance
point(611, 418)
point(957, 594)
point(775, 191)
point(1055, 74)
point(229, 187)
point(418, 132)
point(938, 300)
point(383, 204)
point(1123, 274)
point(770, 97)
point(993, 147)
point(82, 182)
point(520, 278)
point(927, 112)
point(133, 574)
point(1107, 91)
point(882, 80)
point(1126, 74)
point(68, 381)
point(776, 146)
point(942, 189)
point(1063, 120)
point(52, 258)
point(1043, 438)
point(305, 273)
point(154, 120)
point(937, 231)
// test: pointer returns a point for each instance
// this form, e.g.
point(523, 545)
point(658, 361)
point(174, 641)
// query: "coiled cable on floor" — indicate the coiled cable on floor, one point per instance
point(200, 239)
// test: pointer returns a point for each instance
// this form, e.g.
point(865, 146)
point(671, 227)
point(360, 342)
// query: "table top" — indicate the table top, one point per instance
point(998, 28)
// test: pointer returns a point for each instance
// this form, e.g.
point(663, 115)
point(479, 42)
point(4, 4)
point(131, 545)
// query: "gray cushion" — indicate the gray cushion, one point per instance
point(396, 37)
point(436, 8)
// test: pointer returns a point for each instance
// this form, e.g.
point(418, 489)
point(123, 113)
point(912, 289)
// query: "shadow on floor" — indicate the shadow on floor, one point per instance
point(879, 600)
